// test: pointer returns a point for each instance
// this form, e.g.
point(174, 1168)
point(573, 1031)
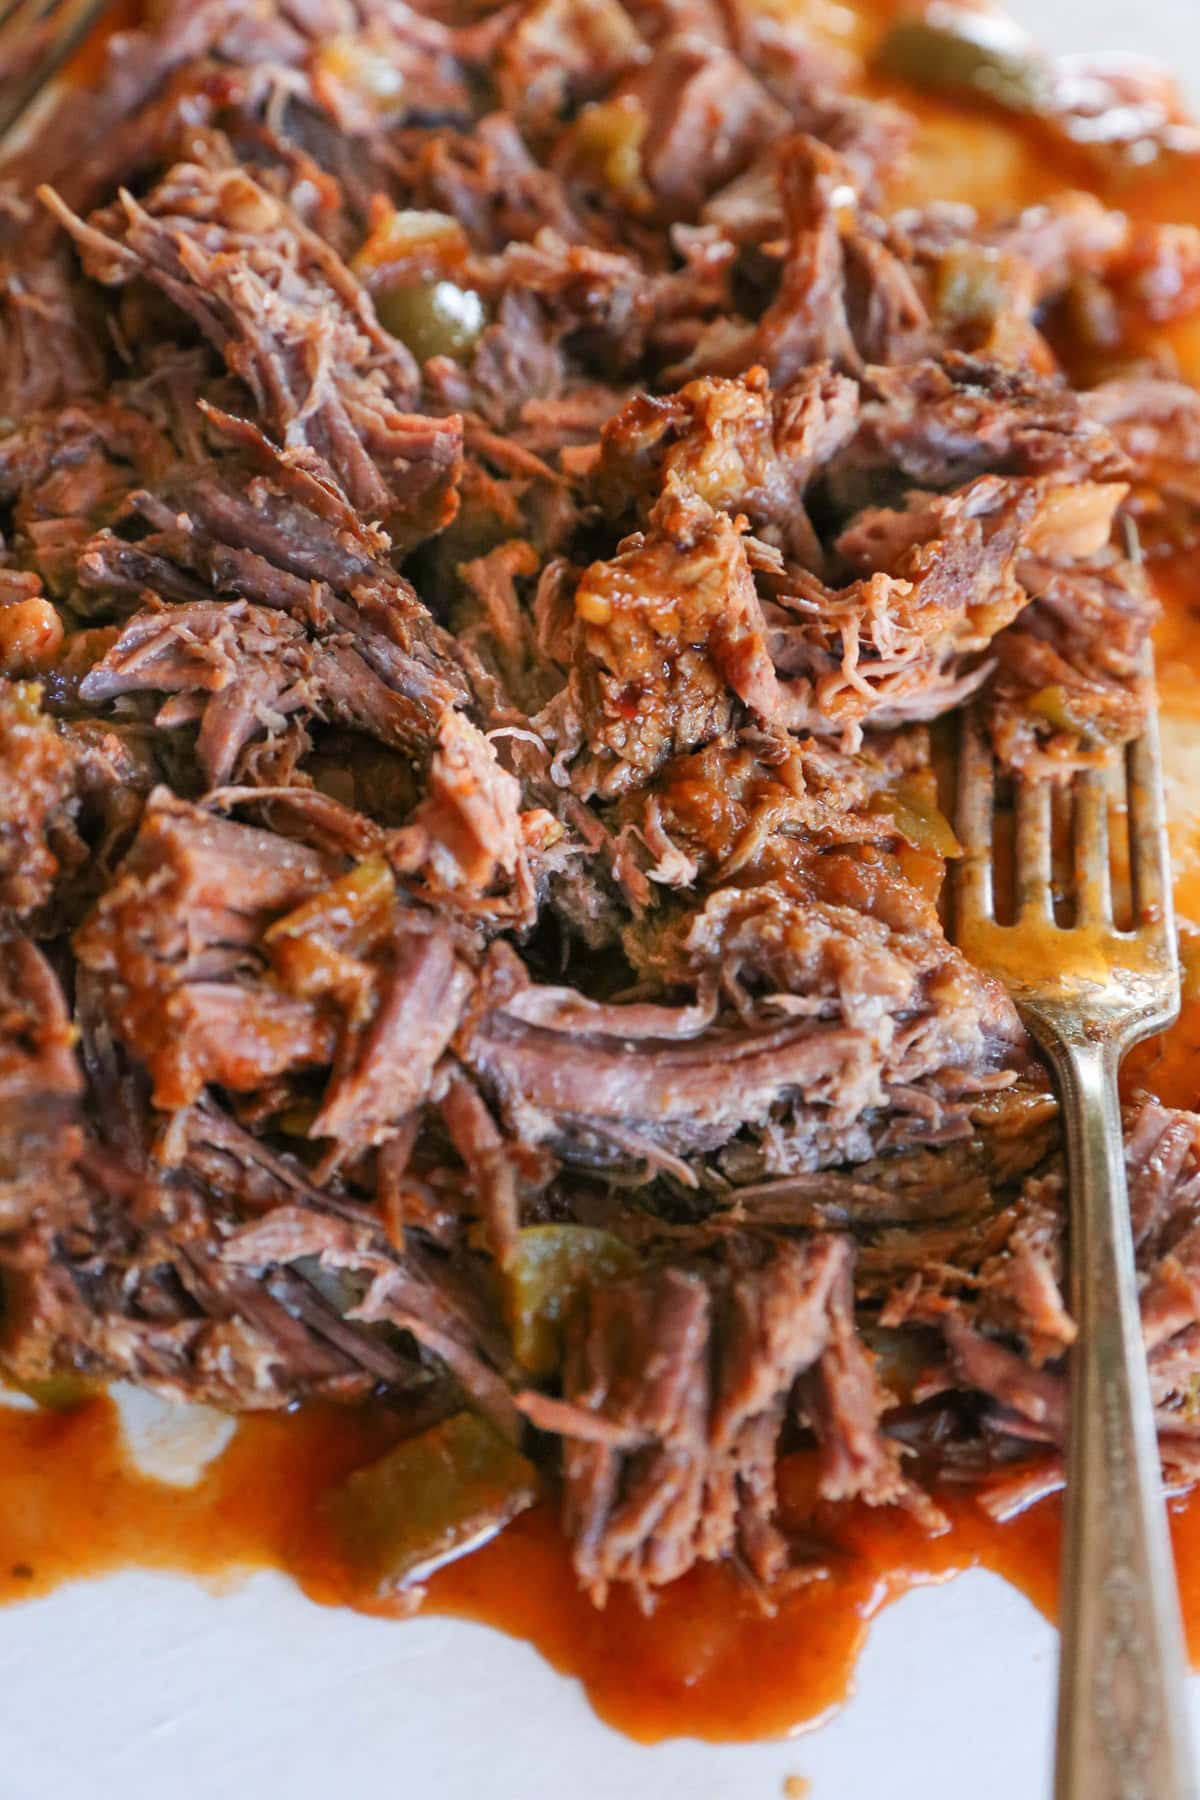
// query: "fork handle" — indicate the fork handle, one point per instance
point(1122, 1713)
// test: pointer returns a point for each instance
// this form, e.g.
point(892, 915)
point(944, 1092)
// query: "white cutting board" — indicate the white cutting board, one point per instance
point(146, 1687)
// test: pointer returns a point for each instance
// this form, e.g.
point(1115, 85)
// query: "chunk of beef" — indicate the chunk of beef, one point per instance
point(48, 358)
point(293, 323)
point(70, 470)
point(1162, 1158)
point(841, 1007)
point(234, 956)
point(486, 181)
point(1156, 421)
point(676, 1389)
point(127, 1280)
point(452, 1320)
point(286, 542)
point(844, 296)
point(941, 423)
point(560, 53)
point(904, 640)
point(844, 1400)
point(469, 831)
point(736, 446)
point(705, 118)
point(243, 670)
point(670, 632)
point(742, 810)
point(1070, 681)
point(175, 940)
point(40, 1084)
point(385, 1071)
point(37, 800)
point(428, 64)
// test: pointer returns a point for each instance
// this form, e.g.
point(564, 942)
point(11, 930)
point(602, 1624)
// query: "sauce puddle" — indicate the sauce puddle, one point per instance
point(707, 1663)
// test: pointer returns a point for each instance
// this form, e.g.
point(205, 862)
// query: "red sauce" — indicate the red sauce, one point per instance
point(707, 1663)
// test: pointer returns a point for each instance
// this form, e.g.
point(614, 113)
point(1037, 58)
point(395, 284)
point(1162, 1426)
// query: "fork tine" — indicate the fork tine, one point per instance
point(1149, 858)
point(1093, 882)
point(973, 814)
point(1032, 850)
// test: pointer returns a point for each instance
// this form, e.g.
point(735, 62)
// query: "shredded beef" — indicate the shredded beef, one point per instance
point(670, 1457)
point(475, 786)
point(40, 1083)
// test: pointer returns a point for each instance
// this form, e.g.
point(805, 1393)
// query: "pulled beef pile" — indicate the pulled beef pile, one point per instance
point(492, 503)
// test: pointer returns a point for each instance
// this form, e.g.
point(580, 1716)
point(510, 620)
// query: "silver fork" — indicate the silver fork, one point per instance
point(36, 38)
point(1087, 993)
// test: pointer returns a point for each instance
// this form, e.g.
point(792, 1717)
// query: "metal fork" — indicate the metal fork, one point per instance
point(36, 38)
point(1087, 993)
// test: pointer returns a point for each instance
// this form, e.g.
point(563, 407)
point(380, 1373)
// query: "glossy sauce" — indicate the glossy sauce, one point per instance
point(708, 1662)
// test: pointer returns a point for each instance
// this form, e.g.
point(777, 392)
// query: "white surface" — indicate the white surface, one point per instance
point(147, 1688)
point(145, 1685)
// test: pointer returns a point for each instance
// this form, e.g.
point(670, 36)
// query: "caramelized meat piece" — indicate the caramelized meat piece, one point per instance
point(670, 632)
point(37, 800)
point(734, 445)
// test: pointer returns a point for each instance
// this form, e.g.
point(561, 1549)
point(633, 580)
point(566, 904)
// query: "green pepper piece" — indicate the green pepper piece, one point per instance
point(912, 804)
point(1053, 704)
point(434, 318)
point(547, 1268)
point(58, 1393)
point(433, 1498)
point(951, 50)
